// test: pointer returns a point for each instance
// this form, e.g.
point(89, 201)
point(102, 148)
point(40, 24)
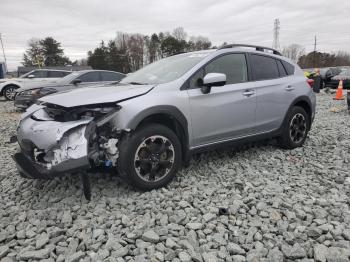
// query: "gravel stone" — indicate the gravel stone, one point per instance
point(194, 226)
point(35, 254)
point(150, 236)
point(235, 249)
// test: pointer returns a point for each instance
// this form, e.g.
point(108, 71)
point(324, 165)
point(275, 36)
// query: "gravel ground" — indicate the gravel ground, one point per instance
point(282, 205)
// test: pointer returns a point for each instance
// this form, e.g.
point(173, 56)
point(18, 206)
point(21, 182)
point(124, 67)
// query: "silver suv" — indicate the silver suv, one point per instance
point(150, 123)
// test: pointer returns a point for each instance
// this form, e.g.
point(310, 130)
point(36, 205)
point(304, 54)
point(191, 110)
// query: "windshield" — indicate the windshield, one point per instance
point(165, 70)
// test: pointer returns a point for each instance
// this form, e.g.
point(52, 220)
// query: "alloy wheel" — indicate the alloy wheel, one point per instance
point(297, 128)
point(154, 158)
point(10, 93)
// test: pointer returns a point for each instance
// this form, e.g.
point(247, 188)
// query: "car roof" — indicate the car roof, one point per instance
point(60, 70)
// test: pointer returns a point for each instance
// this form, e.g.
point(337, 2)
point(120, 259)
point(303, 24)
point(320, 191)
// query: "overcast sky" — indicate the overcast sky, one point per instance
point(80, 24)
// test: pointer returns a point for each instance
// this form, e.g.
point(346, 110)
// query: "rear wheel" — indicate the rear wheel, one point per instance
point(150, 157)
point(295, 129)
point(9, 92)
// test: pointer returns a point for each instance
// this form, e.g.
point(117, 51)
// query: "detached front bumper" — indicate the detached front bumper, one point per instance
point(50, 148)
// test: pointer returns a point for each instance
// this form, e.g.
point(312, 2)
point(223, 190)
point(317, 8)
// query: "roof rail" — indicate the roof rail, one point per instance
point(257, 48)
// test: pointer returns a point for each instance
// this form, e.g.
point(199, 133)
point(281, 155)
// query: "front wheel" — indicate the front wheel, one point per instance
point(9, 92)
point(295, 129)
point(150, 157)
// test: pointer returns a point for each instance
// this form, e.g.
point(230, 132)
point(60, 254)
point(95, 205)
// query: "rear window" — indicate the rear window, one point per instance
point(289, 68)
point(57, 74)
point(110, 76)
point(264, 67)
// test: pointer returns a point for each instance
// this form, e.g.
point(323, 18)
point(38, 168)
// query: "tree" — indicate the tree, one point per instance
point(34, 55)
point(197, 43)
point(179, 34)
point(97, 59)
point(44, 52)
point(293, 51)
point(53, 53)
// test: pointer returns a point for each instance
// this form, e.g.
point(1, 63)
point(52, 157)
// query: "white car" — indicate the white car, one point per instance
point(9, 85)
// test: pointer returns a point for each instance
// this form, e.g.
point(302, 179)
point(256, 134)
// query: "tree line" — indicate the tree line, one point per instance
point(129, 52)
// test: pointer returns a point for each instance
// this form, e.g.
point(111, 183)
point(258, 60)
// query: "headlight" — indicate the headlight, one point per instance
point(47, 91)
point(30, 92)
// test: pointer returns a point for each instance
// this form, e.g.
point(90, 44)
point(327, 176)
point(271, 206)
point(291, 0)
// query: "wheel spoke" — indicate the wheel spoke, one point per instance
point(152, 174)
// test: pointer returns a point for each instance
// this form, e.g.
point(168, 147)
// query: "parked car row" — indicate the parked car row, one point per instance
point(33, 78)
point(26, 96)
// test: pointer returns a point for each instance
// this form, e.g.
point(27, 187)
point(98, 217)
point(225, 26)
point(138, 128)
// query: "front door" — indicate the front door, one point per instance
point(228, 111)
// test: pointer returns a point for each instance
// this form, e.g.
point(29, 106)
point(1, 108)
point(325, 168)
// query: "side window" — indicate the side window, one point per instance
point(289, 68)
point(281, 69)
point(264, 67)
point(90, 77)
point(39, 74)
point(233, 65)
point(57, 74)
point(110, 76)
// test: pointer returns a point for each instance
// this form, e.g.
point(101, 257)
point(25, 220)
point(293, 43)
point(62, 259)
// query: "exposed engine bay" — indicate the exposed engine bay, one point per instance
point(57, 139)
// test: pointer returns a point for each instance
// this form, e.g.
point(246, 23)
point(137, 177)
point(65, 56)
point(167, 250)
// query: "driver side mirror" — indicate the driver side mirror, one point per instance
point(76, 81)
point(212, 79)
point(31, 76)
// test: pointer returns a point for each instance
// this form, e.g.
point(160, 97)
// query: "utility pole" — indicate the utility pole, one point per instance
point(3, 52)
point(276, 34)
point(314, 57)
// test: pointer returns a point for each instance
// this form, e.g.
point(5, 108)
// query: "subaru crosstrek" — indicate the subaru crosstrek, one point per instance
point(149, 124)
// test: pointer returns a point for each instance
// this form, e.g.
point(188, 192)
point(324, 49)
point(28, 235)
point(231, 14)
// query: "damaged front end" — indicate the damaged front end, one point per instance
point(56, 140)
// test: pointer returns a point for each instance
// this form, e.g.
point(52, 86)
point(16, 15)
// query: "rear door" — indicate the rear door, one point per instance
point(228, 111)
point(274, 91)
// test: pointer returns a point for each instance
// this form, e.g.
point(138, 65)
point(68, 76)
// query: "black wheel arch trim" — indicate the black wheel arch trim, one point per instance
point(172, 112)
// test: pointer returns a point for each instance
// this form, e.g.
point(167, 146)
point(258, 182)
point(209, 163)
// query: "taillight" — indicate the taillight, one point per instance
point(310, 82)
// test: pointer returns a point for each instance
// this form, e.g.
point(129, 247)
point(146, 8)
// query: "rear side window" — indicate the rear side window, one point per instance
point(234, 66)
point(264, 67)
point(110, 76)
point(281, 69)
point(90, 77)
point(289, 68)
point(57, 74)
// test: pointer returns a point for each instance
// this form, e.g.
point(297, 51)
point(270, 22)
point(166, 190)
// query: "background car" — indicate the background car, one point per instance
point(329, 74)
point(37, 76)
point(26, 96)
point(344, 75)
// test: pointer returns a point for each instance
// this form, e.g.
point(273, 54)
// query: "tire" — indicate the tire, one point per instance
point(291, 138)
point(9, 92)
point(140, 151)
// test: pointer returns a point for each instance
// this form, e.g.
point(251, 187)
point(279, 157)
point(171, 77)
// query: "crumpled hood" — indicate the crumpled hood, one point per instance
point(96, 95)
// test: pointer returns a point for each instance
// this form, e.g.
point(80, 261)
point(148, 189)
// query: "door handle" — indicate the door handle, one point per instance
point(248, 93)
point(289, 88)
